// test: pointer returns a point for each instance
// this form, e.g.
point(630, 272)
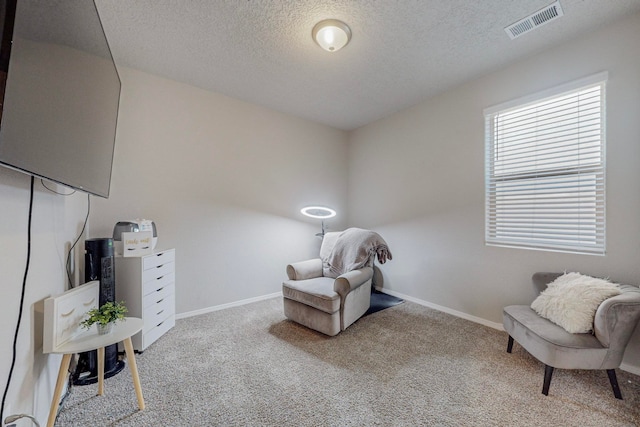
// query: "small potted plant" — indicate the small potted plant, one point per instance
point(105, 316)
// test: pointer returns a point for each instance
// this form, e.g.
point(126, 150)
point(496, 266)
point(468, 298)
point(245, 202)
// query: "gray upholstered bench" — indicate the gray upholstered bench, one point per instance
point(614, 323)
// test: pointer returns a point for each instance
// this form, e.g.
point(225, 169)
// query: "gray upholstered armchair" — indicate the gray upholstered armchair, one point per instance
point(323, 303)
point(614, 323)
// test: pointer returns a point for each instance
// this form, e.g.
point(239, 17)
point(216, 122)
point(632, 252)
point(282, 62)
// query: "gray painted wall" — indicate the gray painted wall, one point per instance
point(417, 177)
point(224, 181)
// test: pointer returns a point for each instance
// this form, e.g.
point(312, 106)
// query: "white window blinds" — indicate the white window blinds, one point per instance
point(545, 170)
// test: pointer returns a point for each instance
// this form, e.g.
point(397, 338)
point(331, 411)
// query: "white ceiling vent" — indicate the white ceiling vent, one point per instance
point(541, 17)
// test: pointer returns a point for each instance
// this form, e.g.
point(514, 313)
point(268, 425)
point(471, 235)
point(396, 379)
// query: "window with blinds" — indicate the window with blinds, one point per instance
point(545, 170)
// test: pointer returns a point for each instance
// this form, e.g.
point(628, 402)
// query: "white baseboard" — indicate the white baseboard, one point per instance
point(447, 310)
point(228, 305)
point(630, 368)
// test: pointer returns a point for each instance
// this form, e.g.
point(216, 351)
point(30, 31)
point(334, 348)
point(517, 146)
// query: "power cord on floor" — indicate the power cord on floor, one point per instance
point(13, 418)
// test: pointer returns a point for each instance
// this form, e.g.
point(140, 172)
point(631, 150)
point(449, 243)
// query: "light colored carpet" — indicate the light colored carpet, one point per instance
point(404, 366)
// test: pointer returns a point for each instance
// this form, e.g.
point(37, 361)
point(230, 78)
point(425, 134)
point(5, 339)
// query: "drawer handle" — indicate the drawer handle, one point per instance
point(160, 312)
point(160, 289)
point(158, 302)
point(68, 314)
point(87, 304)
point(160, 323)
point(158, 278)
point(160, 254)
point(160, 266)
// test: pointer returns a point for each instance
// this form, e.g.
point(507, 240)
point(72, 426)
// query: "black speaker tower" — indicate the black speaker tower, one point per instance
point(99, 265)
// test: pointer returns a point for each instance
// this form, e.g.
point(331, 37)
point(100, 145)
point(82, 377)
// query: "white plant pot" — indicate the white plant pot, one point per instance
point(105, 329)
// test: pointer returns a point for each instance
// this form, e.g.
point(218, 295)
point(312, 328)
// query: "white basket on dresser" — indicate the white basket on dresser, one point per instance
point(147, 286)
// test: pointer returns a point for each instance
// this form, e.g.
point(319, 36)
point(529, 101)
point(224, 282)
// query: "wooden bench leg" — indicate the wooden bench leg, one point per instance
point(131, 358)
point(55, 401)
point(100, 352)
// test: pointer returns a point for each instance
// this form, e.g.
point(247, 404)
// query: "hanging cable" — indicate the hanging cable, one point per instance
point(68, 263)
point(54, 191)
point(24, 285)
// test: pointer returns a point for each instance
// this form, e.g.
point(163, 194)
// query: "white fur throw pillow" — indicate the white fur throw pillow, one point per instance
point(572, 299)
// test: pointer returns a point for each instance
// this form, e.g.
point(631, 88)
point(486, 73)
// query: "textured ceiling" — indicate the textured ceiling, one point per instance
point(401, 52)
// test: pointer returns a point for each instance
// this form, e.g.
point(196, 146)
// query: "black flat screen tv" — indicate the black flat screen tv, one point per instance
point(60, 93)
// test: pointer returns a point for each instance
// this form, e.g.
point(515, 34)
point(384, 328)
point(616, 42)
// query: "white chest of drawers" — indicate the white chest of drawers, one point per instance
point(147, 286)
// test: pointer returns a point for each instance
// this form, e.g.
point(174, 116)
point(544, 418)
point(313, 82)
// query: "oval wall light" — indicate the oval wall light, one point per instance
point(331, 34)
point(319, 212)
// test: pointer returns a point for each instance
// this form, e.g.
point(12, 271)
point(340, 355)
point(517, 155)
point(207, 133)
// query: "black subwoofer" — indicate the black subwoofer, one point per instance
point(99, 265)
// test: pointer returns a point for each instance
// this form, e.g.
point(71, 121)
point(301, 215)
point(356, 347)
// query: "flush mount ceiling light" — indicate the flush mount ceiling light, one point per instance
point(331, 34)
